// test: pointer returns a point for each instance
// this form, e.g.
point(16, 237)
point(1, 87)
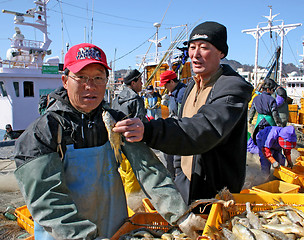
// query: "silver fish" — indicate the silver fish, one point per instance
point(114, 138)
point(286, 228)
point(243, 232)
point(259, 234)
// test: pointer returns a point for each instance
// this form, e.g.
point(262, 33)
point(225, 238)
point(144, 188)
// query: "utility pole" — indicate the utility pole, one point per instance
point(258, 32)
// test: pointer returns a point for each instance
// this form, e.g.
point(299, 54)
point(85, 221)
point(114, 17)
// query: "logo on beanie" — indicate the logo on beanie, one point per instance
point(88, 53)
point(197, 36)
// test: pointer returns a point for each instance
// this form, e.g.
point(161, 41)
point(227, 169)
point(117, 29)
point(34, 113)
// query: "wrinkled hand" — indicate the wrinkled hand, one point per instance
point(191, 225)
point(132, 128)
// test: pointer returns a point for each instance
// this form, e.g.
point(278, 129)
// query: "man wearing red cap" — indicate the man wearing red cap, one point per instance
point(271, 141)
point(176, 90)
point(66, 168)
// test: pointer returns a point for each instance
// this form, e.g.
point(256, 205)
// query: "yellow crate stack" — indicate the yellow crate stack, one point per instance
point(293, 113)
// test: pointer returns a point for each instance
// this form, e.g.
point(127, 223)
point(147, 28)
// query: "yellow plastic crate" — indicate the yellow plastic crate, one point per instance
point(301, 151)
point(293, 175)
point(262, 202)
point(24, 219)
point(148, 206)
point(277, 186)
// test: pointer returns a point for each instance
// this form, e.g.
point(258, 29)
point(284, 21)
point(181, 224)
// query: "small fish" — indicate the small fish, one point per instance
point(259, 234)
point(114, 138)
point(276, 234)
point(286, 228)
point(243, 232)
point(253, 219)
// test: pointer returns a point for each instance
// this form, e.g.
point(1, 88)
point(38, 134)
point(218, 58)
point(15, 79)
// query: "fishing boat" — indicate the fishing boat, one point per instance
point(25, 75)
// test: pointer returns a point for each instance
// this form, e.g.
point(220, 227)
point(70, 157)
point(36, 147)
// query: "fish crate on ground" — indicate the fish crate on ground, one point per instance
point(152, 221)
point(148, 206)
point(294, 175)
point(24, 219)
point(277, 186)
point(301, 151)
point(260, 202)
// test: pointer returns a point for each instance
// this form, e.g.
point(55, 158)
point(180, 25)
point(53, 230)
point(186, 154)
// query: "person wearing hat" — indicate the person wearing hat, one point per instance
point(153, 103)
point(132, 105)
point(176, 90)
point(280, 95)
point(66, 167)
point(210, 137)
point(10, 134)
point(271, 141)
point(266, 107)
point(128, 101)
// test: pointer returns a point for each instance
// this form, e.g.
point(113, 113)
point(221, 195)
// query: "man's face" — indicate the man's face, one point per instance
point(8, 129)
point(137, 86)
point(170, 85)
point(205, 58)
point(85, 97)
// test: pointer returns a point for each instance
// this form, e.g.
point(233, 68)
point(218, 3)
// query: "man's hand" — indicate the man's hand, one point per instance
point(273, 162)
point(132, 128)
point(191, 225)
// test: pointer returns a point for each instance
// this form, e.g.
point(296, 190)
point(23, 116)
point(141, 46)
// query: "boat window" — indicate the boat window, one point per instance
point(28, 88)
point(302, 85)
point(2, 89)
point(16, 87)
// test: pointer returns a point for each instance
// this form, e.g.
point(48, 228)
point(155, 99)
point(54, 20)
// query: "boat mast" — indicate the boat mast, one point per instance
point(258, 32)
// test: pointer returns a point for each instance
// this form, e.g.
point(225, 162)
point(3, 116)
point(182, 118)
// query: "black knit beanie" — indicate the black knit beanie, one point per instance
point(212, 32)
point(132, 76)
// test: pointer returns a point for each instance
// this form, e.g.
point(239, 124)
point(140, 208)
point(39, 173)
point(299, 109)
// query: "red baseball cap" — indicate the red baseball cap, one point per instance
point(286, 144)
point(83, 54)
point(166, 77)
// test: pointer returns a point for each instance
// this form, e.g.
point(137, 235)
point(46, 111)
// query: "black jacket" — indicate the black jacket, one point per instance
point(216, 136)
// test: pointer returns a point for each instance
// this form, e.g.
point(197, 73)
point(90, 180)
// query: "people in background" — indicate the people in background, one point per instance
point(10, 134)
point(280, 95)
point(132, 105)
point(271, 141)
point(153, 103)
point(266, 107)
point(176, 90)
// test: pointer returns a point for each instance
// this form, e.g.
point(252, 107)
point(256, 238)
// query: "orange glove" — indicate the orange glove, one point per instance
point(273, 162)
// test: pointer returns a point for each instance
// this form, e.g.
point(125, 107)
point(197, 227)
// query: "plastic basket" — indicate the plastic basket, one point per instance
point(293, 175)
point(301, 151)
point(24, 219)
point(152, 221)
point(262, 201)
point(148, 206)
point(277, 186)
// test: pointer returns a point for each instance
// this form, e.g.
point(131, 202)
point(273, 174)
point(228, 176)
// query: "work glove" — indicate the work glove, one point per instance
point(191, 224)
point(273, 162)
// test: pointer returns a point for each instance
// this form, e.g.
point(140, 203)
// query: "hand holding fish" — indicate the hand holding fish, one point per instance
point(131, 128)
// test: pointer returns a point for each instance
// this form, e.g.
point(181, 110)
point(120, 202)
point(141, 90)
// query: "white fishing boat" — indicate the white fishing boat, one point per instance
point(25, 75)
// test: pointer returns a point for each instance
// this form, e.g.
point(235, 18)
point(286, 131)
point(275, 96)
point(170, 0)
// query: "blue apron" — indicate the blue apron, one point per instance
point(96, 188)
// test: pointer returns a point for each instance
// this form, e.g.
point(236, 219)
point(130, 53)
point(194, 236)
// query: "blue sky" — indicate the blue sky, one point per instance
point(122, 28)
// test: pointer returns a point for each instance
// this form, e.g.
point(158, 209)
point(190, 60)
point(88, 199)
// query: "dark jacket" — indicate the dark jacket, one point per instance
point(175, 99)
point(130, 103)
point(216, 136)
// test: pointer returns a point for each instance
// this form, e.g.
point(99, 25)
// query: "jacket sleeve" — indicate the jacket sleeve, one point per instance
point(44, 189)
point(199, 134)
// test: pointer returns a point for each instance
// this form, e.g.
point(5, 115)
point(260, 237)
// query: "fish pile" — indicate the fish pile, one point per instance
point(149, 234)
point(282, 223)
